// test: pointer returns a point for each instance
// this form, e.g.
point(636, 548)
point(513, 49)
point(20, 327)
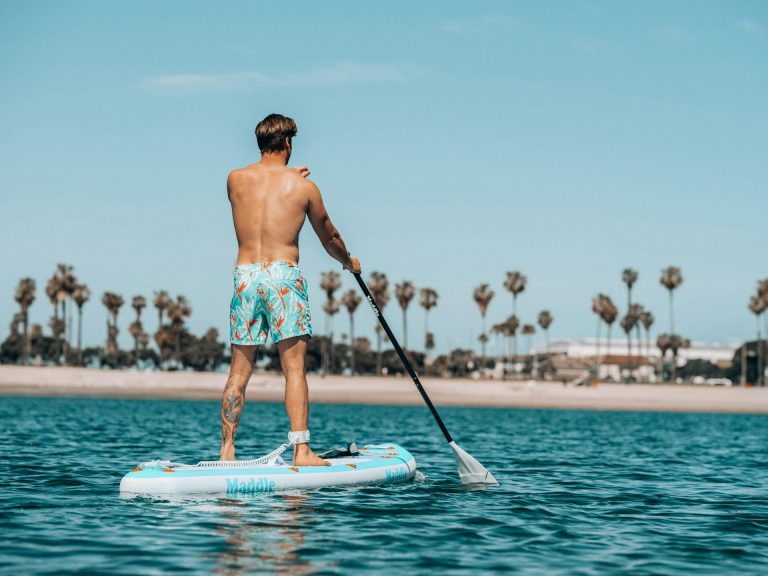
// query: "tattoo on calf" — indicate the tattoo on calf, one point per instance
point(233, 406)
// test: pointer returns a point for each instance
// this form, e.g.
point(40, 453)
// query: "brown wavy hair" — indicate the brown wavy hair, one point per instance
point(272, 132)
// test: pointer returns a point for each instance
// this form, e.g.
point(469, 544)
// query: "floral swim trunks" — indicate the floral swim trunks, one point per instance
point(270, 299)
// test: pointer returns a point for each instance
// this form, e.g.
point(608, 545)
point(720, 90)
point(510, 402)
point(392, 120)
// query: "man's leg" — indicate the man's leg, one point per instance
point(293, 352)
point(233, 398)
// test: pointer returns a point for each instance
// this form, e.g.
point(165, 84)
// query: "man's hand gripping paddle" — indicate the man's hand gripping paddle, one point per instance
point(470, 470)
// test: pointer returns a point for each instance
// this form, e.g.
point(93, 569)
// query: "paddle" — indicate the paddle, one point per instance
point(470, 470)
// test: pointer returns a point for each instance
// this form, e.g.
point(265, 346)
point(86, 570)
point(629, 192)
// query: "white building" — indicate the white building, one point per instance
point(717, 353)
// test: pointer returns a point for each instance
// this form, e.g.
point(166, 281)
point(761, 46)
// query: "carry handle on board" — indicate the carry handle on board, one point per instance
point(470, 470)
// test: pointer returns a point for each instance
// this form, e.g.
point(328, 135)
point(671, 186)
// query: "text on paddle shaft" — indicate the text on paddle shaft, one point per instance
point(373, 305)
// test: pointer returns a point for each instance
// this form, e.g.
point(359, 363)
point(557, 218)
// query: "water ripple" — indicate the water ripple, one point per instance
point(581, 493)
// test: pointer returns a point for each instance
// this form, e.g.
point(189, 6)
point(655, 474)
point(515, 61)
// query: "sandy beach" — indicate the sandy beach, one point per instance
point(264, 387)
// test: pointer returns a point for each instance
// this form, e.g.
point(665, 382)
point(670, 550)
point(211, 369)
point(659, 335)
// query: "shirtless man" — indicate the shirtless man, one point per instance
point(269, 204)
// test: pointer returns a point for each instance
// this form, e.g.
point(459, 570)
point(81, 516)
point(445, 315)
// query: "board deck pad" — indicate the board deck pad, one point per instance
point(375, 464)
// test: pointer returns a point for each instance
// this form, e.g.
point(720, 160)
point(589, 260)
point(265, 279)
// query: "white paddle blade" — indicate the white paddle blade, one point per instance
point(470, 470)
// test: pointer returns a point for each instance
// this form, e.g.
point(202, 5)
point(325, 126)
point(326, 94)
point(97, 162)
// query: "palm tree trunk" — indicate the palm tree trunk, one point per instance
point(765, 334)
point(405, 331)
point(482, 346)
point(514, 336)
point(597, 351)
point(674, 367)
point(80, 335)
point(378, 353)
point(760, 370)
point(325, 348)
point(25, 347)
point(671, 315)
point(608, 345)
point(629, 356)
point(352, 344)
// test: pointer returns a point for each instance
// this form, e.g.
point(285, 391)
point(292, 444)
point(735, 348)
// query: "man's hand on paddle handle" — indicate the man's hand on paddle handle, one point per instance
point(353, 265)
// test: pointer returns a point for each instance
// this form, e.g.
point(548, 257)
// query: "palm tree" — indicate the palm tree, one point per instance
point(528, 330)
point(25, 296)
point(80, 295)
point(606, 312)
point(351, 301)
point(598, 302)
point(636, 311)
point(671, 278)
point(136, 331)
point(628, 323)
point(515, 283)
point(629, 277)
point(647, 320)
point(378, 284)
point(483, 296)
point(177, 312)
point(509, 329)
point(330, 282)
point(429, 341)
point(610, 313)
point(762, 292)
point(427, 300)
point(66, 287)
point(757, 306)
point(545, 319)
point(52, 291)
point(331, 306)
point(161, 301)
point(404, 292)
point(112, 302)
point(138, 303)
point(662, 343)
point(675, 344)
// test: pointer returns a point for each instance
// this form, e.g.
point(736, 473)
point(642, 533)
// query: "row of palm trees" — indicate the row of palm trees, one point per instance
point(64, 292)
point(404, 293)
point(758, 304)
point(378, 284)
point(637, 318)
point(63, 288)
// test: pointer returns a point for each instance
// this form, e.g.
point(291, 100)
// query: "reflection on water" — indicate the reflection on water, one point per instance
point(263, 534)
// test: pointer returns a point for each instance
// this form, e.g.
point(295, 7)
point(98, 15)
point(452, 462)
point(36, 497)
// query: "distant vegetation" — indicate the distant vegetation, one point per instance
point(173, 347)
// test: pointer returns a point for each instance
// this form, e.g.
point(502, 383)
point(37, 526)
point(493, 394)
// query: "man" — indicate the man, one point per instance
point(269, 204)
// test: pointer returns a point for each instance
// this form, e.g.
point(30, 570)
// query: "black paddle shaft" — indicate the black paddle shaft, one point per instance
point(403, 358)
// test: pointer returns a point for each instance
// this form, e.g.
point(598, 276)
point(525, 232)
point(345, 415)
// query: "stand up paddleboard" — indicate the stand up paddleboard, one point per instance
point(372, 464)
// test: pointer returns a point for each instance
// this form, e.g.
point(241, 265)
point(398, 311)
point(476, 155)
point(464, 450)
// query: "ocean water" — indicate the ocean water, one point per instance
point(581, 493)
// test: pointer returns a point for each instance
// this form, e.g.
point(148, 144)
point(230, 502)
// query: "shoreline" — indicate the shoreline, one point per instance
point(268, 387)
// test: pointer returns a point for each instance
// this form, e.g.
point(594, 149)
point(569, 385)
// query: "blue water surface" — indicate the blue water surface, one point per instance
point(581, 493)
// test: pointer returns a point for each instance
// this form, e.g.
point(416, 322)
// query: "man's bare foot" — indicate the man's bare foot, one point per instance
point(303, 456)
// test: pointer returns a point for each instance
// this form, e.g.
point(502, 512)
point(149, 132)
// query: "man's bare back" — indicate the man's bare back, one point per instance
point(269, 205)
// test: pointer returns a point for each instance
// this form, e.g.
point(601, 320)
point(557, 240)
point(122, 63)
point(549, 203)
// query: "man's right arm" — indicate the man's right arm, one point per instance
point(327, 233)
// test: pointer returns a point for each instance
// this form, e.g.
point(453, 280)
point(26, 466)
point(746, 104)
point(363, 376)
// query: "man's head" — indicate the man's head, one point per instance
point(274, 134)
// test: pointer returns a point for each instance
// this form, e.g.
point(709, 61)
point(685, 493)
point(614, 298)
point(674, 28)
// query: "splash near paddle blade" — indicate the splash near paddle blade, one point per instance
point(470, 470)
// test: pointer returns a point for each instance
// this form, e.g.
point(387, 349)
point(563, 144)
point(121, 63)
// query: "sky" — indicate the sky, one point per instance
point(452, 141)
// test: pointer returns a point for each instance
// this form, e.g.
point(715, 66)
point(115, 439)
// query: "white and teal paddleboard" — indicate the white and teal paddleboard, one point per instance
point(373, 464)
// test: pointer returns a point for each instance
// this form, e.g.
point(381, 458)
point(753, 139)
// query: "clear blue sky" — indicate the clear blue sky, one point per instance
point(453, 141)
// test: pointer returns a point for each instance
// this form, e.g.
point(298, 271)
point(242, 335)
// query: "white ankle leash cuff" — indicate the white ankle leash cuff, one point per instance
point(298, 437)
